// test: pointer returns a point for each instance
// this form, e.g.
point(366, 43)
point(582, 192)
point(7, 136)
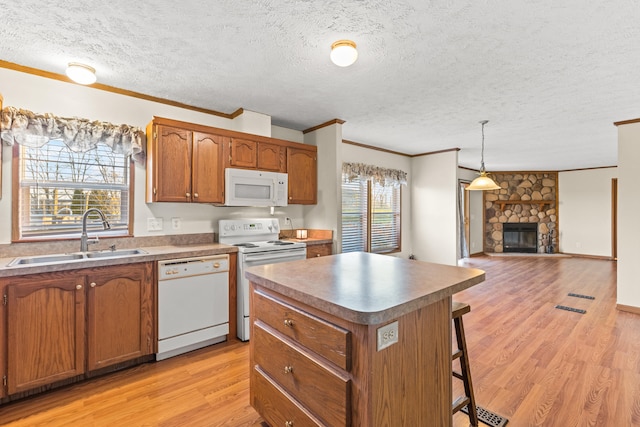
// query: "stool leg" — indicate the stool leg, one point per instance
point(466, 372)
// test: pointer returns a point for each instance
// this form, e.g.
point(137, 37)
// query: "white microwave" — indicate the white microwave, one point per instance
point(246, 187)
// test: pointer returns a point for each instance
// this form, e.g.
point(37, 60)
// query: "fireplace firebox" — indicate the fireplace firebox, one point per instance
point(520, 237)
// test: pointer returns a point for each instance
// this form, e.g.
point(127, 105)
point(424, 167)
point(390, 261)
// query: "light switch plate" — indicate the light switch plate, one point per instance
point(154, 224)
point(387, 335)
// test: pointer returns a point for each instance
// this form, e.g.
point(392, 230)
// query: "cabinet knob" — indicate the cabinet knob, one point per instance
point(195, 195)
point(78, 287)
point(288, 369)
point(288, 424)
point(188, 194)
point(317, 255)
point(288, 323)
point(290, 197)
point(93, 284)
point(216, 265)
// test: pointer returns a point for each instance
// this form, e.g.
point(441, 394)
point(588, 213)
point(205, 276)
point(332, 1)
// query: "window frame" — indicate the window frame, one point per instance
point(16, 235)
point(370, 215)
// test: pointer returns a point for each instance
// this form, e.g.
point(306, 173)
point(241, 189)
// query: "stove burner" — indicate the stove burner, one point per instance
point(246, 245)
point(280, 242)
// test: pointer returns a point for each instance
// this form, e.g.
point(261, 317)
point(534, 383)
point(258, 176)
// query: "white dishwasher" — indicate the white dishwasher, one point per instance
point(193, 304)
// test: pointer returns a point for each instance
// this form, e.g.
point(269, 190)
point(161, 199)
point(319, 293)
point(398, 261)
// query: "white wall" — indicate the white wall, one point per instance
point(42, 95)
point(325, 215)
point(356, 154)
point(433, 207)
point(628, 213)
point(585, 211)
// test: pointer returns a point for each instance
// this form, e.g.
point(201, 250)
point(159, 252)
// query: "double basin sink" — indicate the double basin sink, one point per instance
point(76, 256)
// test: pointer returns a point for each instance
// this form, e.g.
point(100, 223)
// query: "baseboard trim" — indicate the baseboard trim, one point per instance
point(477, 254)
point(601, 257)
point(628, 308)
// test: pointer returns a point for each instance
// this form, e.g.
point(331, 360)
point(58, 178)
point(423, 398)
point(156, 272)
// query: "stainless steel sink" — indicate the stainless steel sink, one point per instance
point(41, 259)
point(58, 258)
point(108, 253)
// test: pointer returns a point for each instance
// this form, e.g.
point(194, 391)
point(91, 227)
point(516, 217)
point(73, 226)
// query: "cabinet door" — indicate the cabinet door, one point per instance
point(243, 153)
point(119, 314)
point(172, 165)
point(45, 330)
point(208, 168)
point(302, 167)
point(271, 157)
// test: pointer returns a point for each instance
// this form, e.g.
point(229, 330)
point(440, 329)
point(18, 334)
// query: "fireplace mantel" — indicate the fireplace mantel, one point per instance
point(540, 203)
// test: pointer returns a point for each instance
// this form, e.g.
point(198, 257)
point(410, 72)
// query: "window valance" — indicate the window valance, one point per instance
point(34, 130)
point(378, 174)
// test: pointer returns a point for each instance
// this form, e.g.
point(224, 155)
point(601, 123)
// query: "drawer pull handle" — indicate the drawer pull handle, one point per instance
point(78, 287)
point(288, 424)
point(93, 284)
point(288, 323)
point(288, 369)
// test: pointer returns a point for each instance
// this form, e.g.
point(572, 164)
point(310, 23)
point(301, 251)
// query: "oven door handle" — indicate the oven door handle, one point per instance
point(271, 257)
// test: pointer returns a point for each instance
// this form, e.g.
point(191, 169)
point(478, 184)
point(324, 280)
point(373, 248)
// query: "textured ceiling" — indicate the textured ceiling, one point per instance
point(550, 76)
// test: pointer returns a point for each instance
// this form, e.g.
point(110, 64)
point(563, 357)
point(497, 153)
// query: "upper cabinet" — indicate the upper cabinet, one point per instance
point(184, 165)
point(302, 167)
point(186, 161)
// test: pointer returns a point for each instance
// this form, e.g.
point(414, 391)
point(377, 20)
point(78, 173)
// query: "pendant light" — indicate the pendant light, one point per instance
point(483, 182)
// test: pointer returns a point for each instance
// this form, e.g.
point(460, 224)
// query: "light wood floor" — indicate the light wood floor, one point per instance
point(532, 363)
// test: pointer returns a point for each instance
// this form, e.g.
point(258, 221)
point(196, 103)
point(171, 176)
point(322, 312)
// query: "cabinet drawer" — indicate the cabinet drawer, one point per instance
point(319, 389)
point(326, 339)
point(275, 405)
point(314, 251)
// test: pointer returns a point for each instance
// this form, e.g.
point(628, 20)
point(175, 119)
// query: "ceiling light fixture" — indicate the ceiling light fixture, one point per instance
point(483, 182)
point(80, 73)
point(344, 53)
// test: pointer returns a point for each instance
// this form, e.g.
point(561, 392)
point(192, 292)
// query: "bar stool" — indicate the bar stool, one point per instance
point(458, 309)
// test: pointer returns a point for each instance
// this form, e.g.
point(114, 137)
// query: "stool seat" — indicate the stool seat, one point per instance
point(458, 309)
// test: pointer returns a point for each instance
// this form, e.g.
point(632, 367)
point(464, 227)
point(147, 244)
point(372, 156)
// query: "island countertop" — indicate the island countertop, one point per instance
point(365, 288)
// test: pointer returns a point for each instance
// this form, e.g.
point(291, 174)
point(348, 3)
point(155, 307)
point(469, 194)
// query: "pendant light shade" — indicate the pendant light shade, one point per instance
point(343, 53)
point(80, 73)
point(483, 182)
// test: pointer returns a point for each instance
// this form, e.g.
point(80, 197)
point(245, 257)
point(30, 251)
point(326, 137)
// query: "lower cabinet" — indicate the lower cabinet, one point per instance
point(314, 251)
point(49, 316)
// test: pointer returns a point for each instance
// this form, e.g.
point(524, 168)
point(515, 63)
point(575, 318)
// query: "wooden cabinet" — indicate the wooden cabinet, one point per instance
point(186, 162)
point(302, 167)
point(45, 330)
point(300, 365)
point(247, 154)
point(183, 165)
point(50, 315)
point(314, 251)
point(271, 157)
point(119, 314)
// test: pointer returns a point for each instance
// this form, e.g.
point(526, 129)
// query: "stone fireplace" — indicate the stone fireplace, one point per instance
point(523, 198)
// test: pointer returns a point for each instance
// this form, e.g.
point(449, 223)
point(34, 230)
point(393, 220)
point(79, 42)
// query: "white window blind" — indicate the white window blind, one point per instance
point(58, 185)
point(370, 216)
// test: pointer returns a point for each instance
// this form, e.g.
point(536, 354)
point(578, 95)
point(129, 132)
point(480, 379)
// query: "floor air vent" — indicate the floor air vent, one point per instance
point(488, 417)
point(571, 294)
point(575, 310)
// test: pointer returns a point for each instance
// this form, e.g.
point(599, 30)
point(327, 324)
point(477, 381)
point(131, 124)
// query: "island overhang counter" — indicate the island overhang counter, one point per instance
point(353, 339)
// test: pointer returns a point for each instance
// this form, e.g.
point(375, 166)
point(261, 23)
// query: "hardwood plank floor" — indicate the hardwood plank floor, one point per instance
point(532, 363)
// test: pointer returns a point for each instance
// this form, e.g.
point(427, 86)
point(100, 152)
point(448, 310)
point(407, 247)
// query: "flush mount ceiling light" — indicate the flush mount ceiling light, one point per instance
point(483, 182)
point(343, 53)
point(80, 73)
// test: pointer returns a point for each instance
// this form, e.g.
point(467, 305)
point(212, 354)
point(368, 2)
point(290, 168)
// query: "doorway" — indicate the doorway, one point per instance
point(614, 218)
point(464, 222)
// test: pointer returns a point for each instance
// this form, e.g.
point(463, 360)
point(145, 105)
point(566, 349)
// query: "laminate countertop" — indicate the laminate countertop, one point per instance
point(152, 253)
point(362, 287)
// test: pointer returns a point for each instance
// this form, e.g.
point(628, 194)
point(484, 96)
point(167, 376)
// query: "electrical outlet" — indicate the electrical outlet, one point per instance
point(387, 335)
point(287, 220)
point(154, 224)
point(176, 223)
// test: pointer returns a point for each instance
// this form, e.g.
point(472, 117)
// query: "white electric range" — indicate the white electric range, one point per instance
point(258, 244)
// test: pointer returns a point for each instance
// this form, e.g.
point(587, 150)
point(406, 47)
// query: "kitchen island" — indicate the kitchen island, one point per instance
point(353, 339)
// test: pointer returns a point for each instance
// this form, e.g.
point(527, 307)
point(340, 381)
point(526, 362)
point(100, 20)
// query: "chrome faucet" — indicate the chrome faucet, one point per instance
point(84, 239)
